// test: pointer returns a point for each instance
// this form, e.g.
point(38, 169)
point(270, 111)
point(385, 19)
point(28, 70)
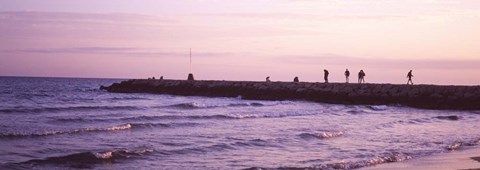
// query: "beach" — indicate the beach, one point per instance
point(460, 159)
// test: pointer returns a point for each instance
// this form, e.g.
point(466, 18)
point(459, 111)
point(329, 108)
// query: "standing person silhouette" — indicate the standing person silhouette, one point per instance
point(347, 74)
point(325, 75)
point(409, 76)
point(361, 77)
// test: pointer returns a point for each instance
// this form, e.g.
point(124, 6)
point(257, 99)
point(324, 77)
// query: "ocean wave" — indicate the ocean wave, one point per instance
point(63, 109)
point(176, 117)
point(458, 145)
point(322, 135)
point(128, 98)
point(272, 114)
point(355, 111)
point(122, 127)
point(198, 150)
point(189, 106)
point(350, 165)
point(195, 105)
point(220, 117)
point(74, 131)
point(454, 146)
point(144, 118)
point(415, 121)
point(219, 147)
point(254, 143)
point(80, 120)
point(86, 159)
point(378, 107)
point(365, 163)
point(171, 125)
point(454, 117)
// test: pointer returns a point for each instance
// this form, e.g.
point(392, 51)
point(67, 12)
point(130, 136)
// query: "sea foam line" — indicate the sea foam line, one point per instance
point(74, 131)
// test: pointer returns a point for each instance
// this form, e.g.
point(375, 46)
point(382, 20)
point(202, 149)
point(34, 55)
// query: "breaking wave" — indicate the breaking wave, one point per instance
point(454, 117)
point(397, 157)
point(423, 120)
point(128, 98)
point(365, 163)
point(127, 126)
point(378, 107)
point(74, 131)
point(322, 135)
point(227, 116)
point(86, 159)
point(177, 117)
point(273, 114)
point(195, 105)
point(259, 143)
point(457, 145)
point(66, 109)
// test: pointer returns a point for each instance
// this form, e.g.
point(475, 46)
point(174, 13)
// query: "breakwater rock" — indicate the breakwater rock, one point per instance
point(419, 96)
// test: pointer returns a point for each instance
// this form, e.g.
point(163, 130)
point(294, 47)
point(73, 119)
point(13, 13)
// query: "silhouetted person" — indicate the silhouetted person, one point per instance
point(161, 77)
point(361, 77)
point(296, 79)
point(409, 76)
point(325, 75)
point(267, 79)
point(347, 74)
point(153, 77)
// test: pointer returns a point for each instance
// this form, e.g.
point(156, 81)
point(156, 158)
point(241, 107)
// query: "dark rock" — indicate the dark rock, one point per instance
point(190, 77)
point(420, 96)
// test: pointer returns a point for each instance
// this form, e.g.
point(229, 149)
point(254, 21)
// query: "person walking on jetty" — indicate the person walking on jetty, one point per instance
point(361, 77)
point(347, 74)
point(267, 79)
point(409, 76)
point(325, 75)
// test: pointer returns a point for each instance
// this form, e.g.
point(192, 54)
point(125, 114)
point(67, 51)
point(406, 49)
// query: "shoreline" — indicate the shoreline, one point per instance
point(419, 96)
point(468, 158)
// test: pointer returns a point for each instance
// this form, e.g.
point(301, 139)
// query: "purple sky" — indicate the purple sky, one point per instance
point(243, 40)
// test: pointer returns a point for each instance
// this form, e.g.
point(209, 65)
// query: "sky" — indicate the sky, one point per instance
point(243, 40)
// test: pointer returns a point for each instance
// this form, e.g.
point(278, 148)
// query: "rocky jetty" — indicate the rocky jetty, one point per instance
point(419, 96)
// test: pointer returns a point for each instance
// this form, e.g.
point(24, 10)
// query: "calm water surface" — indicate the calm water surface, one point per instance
point(68, 123)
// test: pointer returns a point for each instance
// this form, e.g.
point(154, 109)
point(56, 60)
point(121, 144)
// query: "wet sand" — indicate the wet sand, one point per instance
point(460, 159)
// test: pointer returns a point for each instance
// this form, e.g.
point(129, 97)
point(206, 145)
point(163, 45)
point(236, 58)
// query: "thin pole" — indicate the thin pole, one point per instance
point(190, 60)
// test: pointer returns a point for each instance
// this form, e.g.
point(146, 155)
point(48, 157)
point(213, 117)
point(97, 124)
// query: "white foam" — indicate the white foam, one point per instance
point(121, 127)
point(331, 134)
point(455, 146)
point(106, 155)
point(379, 107)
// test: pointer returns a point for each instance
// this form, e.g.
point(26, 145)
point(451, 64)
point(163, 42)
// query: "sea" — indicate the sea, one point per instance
point(69, 123)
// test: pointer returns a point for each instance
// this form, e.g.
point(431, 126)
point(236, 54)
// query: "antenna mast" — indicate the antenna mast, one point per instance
point(190, 60)
point(190, 75)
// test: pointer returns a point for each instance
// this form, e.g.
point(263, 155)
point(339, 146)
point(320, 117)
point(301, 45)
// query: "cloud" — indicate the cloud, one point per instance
point(129, 51)
point(304, 16)
point(92, 18)
point(377, 62)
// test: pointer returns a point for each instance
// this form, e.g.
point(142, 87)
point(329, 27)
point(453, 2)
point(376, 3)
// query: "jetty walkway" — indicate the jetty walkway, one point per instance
point(419, 96)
